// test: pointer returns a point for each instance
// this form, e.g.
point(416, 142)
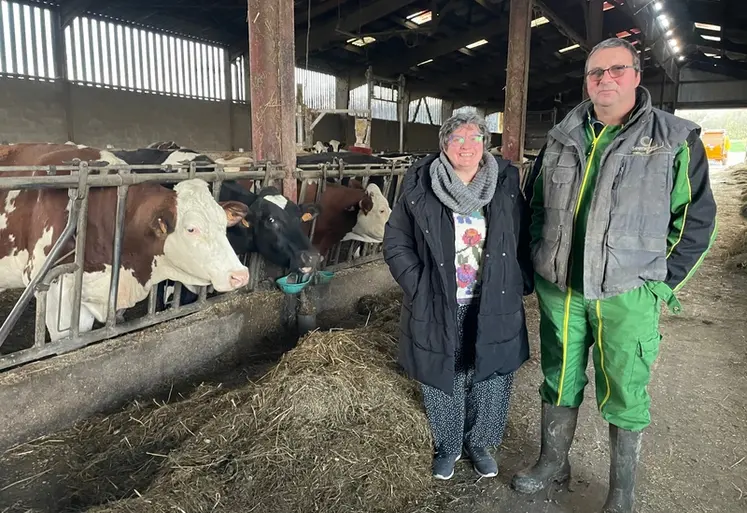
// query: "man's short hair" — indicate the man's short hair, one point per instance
point(616, 42)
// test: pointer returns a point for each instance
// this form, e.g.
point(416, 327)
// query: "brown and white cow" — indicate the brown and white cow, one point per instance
point(177, 234)
point(348, 213)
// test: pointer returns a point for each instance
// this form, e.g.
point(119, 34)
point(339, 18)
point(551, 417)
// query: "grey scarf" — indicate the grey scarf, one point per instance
point(454, 194)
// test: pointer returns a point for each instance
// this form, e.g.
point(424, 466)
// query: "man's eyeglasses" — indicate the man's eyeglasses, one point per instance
point(459, 139)
point(616, 71)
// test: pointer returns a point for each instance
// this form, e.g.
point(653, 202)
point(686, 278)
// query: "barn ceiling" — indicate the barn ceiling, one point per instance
point(456, 49)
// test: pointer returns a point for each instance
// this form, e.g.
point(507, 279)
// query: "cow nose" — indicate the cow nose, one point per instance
point(310, 258)
point(239, 279)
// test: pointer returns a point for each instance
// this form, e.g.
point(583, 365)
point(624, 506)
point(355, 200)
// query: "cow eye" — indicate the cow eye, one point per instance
point(271, 219)
point(192, 230)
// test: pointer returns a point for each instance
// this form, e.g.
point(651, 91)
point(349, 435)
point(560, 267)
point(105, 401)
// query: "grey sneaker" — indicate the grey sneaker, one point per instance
point(443, 465)
point(483, 462)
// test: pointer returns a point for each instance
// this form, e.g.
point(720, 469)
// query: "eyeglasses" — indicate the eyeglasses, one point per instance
point(459, 139)
point(616, 71)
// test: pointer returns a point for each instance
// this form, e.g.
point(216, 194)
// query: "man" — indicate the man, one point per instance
point(622, 216)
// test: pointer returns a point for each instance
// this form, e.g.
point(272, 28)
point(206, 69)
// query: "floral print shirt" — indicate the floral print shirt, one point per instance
point(470, 240)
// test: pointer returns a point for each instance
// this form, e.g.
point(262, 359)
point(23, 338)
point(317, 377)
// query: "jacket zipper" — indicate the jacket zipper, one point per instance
point(589, 161)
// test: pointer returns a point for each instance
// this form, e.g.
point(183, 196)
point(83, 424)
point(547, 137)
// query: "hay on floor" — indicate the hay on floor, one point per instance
point(333, 427)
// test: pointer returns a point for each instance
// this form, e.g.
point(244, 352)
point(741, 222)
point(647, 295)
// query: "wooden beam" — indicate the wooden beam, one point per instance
point(517, 79)
point(273, 85)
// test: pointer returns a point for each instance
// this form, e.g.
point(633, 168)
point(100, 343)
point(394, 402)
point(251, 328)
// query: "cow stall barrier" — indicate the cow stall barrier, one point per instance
point(79, 178)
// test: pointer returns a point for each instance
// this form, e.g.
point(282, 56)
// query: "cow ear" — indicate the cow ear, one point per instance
point(309, 211)
point(235, 212)
point(163, 223)
point(366, 203)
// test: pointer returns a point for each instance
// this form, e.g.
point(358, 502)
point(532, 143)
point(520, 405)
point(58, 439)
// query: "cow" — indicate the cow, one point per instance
point(174, 233)
point(273, 229)
point(352, 212)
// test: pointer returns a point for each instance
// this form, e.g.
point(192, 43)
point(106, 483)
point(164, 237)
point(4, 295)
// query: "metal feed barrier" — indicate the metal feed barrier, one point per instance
point(83, 176)
point(80, 179)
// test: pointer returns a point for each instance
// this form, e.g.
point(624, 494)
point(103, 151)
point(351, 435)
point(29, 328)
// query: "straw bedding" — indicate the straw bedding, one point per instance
point(333, 427)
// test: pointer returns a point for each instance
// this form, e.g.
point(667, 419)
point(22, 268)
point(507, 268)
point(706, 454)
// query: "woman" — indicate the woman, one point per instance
point(457, 242)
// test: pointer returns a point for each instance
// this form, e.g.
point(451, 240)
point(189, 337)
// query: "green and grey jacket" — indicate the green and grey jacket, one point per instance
point(649, 211)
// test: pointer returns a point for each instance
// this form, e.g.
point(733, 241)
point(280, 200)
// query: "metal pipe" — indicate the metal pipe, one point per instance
point(54, 254)
point(40, 331)
point(402, 112)
point(111, 313)
point(80, 250)
point(152, 299)
point(68, 344)
point(113, 180)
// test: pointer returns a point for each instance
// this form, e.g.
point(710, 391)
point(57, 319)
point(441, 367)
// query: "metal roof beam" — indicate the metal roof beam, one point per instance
point(642, 12)
point(561, 25)
point(71, 9)
point(334, 29)
point(438, 48)
point(302, 12)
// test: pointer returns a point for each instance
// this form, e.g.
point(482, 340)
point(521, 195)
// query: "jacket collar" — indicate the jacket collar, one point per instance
point(571, 128)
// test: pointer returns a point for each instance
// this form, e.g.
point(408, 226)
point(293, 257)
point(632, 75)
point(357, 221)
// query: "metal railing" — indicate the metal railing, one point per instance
point(79, 178)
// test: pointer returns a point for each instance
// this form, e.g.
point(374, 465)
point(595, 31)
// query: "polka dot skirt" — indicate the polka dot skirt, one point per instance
point(475, 415)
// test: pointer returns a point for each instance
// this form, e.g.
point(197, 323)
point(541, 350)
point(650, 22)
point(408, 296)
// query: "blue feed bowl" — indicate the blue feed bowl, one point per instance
point(291, 288)
point(323, 277)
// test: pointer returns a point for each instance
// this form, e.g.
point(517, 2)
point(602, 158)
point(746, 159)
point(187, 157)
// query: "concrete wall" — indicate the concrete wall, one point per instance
point(31, 111)
point(52, 394)
point(34, 111)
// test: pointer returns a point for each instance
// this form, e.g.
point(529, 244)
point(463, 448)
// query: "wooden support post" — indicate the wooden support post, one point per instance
point(228, 92)
point(60, 64)
point(272, 85)
point(594, 28)
point(517, 79)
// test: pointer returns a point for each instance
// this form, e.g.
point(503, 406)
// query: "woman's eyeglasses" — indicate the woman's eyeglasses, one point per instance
point(459, 139)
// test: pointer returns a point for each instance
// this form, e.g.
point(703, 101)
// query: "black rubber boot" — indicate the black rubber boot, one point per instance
point(558, 428)
point(625, 451)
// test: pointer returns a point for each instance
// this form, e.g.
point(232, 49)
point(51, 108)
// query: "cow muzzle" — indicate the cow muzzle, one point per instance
point(310, 261)
point(238, 279)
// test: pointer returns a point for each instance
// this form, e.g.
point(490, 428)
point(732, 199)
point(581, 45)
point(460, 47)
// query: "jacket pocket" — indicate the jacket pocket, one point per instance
point(545, 252)
point(500, 328)
point(559, 187)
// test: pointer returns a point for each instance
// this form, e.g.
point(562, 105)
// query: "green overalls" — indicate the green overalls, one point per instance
point(623, 331)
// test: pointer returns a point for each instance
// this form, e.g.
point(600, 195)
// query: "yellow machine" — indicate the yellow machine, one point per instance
point(716, 144)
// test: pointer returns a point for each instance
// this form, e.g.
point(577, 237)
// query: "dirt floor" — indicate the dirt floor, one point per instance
point(694, 456)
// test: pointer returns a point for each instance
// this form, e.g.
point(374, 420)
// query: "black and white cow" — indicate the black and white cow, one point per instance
point(273, 226)
point(273, 229)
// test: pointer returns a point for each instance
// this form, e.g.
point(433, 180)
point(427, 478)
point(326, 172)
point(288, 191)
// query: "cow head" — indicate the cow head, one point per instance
point(196, 250)
point(275, 229)
point(373, 214)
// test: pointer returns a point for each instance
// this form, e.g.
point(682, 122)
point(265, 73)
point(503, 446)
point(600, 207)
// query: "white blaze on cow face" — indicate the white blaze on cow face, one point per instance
point(179, 157)
point(197, 252)
point(277, 199)
point(371, 225)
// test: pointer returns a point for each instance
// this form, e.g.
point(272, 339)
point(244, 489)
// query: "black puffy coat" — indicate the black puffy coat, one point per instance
point(419, 249)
